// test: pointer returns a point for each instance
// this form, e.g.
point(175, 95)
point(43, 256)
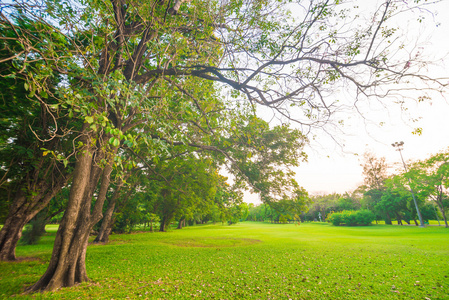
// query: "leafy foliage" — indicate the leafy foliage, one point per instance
point(351, 218)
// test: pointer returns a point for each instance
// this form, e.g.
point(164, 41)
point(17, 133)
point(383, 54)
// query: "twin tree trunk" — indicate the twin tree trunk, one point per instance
point(68, 261)
point(108, 219)
point(106, 225)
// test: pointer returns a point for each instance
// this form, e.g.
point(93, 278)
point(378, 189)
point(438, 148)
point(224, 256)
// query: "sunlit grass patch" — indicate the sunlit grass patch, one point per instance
point(311, 261)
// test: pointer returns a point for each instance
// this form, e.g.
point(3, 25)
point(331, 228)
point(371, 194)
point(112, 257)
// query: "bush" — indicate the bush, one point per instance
point(335, 218)
point(352, 218)
point(365, 217)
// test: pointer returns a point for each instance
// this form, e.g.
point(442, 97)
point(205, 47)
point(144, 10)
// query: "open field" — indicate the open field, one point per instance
point(253, 261)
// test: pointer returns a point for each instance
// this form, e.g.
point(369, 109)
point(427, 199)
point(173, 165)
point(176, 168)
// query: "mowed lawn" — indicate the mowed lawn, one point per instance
point(253, 261)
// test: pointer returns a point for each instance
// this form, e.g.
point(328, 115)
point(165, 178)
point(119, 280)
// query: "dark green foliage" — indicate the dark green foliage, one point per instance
point(364, 217)
point(352, 218)
point(33, 231)
point(428, 212)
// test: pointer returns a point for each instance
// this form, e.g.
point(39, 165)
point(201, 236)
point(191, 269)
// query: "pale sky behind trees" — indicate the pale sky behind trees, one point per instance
point(334, 162)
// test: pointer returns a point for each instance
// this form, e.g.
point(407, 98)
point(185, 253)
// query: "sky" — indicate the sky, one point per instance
point(336, 166)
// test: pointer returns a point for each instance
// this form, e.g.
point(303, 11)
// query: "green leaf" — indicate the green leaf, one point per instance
point(116, 142)
point(43, 94)
point(89, 119)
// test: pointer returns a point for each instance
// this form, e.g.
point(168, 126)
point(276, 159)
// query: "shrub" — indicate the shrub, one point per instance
point(335, 218)
point(365, 217)
point(351, 218)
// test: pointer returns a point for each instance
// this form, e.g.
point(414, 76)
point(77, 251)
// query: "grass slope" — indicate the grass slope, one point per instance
point(253, 261)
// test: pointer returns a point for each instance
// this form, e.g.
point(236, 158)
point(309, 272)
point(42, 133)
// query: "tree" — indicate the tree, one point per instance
point(393, 203)
point(374, 171)
point(322, 204)
point(432, 178)
point(375, 174)
point(30, 175)
point(398, 198)
point(288, 208)
point(125, 63)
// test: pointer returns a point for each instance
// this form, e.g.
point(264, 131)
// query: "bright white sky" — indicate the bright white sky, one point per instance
point(336, 168)
point(333, 169)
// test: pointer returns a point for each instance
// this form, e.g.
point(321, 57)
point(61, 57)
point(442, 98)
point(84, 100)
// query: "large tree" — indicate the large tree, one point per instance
point(30, 176)
point(125, 63)
point(375, 173)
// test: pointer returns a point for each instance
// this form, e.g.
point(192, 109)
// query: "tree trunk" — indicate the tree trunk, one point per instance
point(22, 210)
point(105, 228)
point(68, 262)
point(9, 236)
point(106, 225)
point(180, 223)
point(416, 223)
point(162, 225)
point(398, 218)
point(440, 206)
point(67, 265)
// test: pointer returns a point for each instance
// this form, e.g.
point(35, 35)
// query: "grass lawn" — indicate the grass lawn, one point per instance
point(253, 261)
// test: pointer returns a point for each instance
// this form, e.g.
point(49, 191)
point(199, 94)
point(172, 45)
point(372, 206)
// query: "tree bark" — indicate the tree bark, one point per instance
point(398, 218)
point(105, 229)
point(68, 262)
point(11, 233)
point(22, 210)
point(180, 223)
point(440, 206)
point(67, 265)
point(162, 225)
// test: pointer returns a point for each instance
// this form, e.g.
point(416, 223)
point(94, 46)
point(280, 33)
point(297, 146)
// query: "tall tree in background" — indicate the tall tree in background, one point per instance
point(126, 63)
point(432, 178)
point(375, 173)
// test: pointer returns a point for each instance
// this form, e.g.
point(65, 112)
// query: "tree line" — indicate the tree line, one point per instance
point(389, 197)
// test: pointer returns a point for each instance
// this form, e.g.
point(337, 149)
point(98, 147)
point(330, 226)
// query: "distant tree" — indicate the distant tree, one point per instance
point(288, 208)
point(323, 204)
point(431, 177)
point(398, 197)
point(375, 173)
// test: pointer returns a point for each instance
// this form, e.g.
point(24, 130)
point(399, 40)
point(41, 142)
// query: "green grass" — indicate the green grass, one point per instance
point(253, 261)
